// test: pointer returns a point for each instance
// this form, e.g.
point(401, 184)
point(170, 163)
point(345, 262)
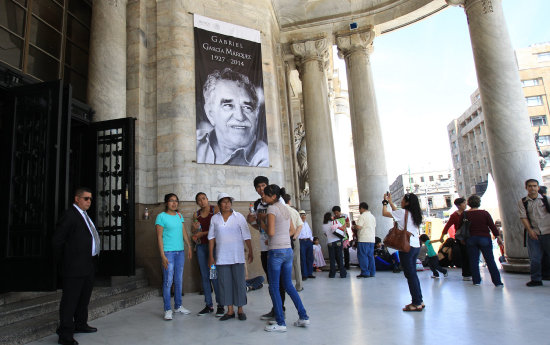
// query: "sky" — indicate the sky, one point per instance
point(424, 75)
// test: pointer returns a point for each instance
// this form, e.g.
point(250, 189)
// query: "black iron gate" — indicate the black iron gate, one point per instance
point(114, 206)
point(46, 156)
point(32, 136)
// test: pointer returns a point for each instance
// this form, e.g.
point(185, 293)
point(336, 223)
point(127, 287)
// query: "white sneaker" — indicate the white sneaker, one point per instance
point(435, 277)
point(182, 310)
point(275, 328)
point(168, 315)
point(301, 323)
point(467, 278)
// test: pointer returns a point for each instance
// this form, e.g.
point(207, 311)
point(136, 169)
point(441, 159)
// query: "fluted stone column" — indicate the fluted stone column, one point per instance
point(107, 61)
point(312, 58)
point(511, 144)
point(370, 161)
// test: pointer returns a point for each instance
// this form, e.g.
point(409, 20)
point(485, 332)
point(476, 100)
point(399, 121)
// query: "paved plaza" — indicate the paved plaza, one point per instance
point(352, 311)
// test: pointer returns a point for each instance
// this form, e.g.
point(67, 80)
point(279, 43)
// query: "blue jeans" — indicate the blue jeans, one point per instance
point(335, 255)
point(306, 258)
point(475, 244)
point(408, 261)
point(279, 264)
point(365, 256)
point(536, 249)
point(174, 273)
point(202, 257)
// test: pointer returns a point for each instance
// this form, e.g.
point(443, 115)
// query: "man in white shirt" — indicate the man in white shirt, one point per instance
point(365, 227)
point(297, 221)
point(306, 248)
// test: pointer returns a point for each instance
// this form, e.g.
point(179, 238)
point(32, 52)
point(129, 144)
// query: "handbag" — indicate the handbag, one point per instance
point(337, 232)
point(464, 231)
point(399, 239)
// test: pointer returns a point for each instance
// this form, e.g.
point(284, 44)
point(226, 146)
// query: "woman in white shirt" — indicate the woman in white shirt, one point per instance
point(334, 246)
point(228, 231)
point(279, 259)
point(410, 210)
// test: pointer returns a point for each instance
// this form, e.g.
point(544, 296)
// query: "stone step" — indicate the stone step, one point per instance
point(21, 310)
point(45, 324)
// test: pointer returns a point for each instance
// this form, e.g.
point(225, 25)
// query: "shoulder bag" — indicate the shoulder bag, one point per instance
point(464, 231)
point(399, 239)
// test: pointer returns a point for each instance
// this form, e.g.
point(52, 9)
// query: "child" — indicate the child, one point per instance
point(433, 260)
point(318, 259)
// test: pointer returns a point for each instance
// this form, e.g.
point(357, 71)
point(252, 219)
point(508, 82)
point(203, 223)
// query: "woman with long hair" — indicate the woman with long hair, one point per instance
point(411, 215)
point(171, 234)
point(199, 228)
point(481, 226)
point(334, 246)
point(279, 259)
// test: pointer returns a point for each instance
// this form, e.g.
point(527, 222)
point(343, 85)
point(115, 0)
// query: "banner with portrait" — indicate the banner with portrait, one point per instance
point(231, 124)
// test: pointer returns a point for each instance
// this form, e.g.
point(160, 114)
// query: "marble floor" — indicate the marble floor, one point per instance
point(352, 311)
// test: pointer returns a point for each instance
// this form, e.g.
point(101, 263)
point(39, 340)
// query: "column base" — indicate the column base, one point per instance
point(516, 265)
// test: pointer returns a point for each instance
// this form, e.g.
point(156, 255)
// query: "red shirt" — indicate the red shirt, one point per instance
point(455, 219)
point(480, 223)
point(205, 224)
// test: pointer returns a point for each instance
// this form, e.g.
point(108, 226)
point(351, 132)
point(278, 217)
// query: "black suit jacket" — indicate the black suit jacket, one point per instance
point(72, 244)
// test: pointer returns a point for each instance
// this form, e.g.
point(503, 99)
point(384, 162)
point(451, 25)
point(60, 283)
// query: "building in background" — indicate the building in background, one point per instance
point(467, 135)
point(435, 189)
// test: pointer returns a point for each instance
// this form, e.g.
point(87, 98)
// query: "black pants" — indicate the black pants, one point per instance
point(335, 257)
point(73, 309)
point(466, 272)
point(433, 262)
point(281, 286)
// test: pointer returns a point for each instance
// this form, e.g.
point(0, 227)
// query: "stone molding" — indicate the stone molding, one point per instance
point(351, 43)
point(486, 5)
point(312, 50)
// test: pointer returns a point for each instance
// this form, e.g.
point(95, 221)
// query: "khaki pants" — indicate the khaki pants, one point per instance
point(296, 265)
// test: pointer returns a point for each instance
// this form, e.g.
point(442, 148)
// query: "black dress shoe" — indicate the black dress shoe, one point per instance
point(67, 342)
point(85, 329)
point(312, 277)
point(227, 317)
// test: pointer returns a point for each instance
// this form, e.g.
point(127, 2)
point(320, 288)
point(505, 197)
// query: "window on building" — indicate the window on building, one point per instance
point(544, 140)
point(454, 145)
point(448, 200)
point(448, 175)
point(421, 178)
point(460, 186)
point(533, 101)
point(537, 121)
point(479, 130)
point(478, 164)
point(485, 161)
point(456, 158)
point(431, 178)
point(545, 56)
point(47, 39)
point(411, 180)
point(430, 202)
point(530, 82)
point(475, 148)
point(440, 177)
point(459, 172)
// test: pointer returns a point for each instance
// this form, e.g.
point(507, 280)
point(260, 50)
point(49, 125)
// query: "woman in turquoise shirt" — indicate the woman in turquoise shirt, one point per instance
point(170, 235)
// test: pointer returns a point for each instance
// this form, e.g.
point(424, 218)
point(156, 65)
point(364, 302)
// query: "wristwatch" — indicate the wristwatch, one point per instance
point(385, 202)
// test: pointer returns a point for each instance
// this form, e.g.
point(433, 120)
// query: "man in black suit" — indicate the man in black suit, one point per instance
point(75, 243)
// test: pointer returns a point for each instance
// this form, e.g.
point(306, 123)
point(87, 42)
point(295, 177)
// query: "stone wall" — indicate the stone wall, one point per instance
point(161, 95)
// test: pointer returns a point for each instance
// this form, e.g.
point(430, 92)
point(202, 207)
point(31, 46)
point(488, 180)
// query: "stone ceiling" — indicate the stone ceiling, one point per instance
point(312, 15)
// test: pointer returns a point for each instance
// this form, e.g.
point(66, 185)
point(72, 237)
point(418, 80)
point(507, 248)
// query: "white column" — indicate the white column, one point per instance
point(370, 160)
point(312, 58)
point(511, 143)
point(107, 61)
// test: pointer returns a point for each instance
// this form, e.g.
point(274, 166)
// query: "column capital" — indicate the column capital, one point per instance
point(352, 42)
point(486, 5)
point(315, 49)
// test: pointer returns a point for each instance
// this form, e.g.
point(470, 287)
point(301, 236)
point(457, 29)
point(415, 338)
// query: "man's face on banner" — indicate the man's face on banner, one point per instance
point(233, 114)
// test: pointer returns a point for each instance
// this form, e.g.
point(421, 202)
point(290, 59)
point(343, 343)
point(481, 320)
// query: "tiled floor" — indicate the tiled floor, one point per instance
point(352, 311)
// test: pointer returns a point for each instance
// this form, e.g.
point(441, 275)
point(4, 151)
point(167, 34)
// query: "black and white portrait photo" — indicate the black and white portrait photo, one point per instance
point(231, 125)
